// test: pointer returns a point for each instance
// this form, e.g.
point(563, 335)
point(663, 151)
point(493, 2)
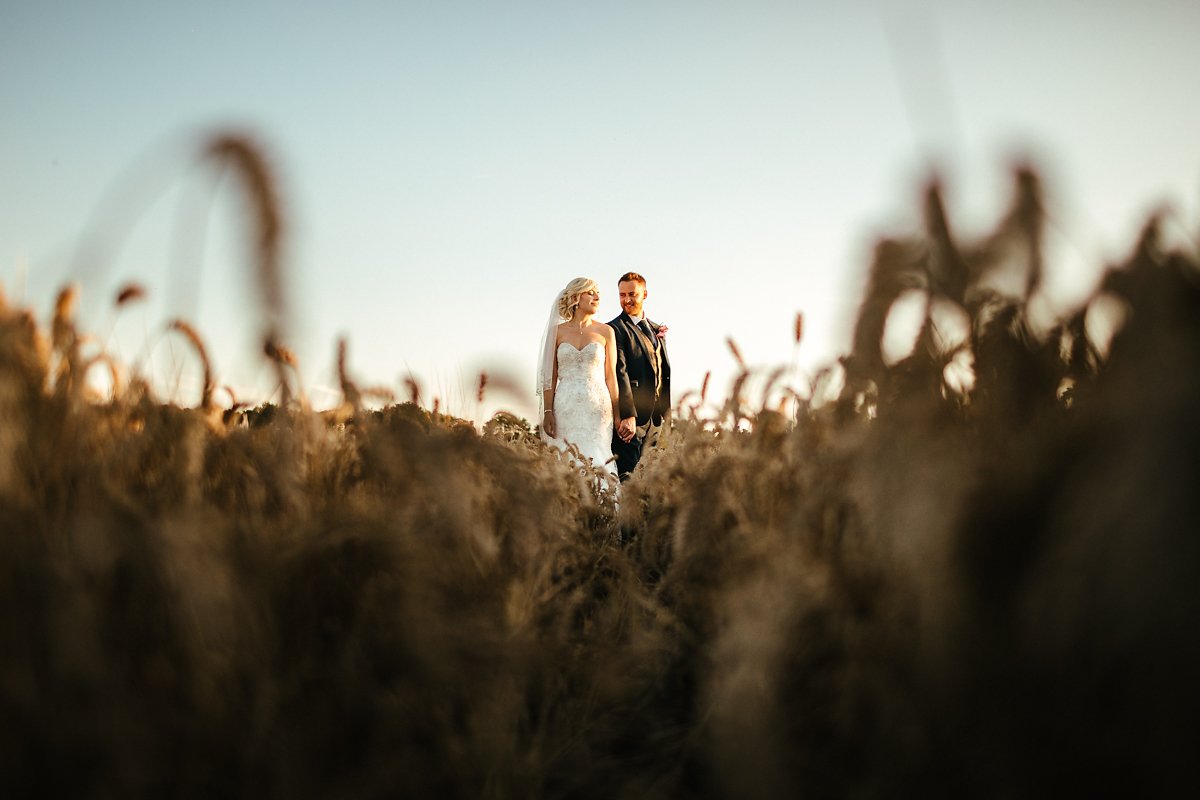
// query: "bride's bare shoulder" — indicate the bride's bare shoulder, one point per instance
point(604, 329)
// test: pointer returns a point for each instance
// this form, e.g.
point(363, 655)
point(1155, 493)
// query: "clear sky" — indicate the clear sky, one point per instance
point(446, 167)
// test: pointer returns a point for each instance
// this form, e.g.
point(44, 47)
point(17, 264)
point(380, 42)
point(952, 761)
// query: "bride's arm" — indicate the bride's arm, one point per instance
point(610, 369)
point(549, 423)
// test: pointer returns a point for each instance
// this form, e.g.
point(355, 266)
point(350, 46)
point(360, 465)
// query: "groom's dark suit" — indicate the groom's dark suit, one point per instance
point(643, 385)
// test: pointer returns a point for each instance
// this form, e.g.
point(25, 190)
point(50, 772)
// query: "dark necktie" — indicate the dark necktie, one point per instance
point(644, 324)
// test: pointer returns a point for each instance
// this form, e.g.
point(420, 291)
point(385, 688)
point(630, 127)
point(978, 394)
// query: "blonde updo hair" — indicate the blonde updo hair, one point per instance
point(568, 298)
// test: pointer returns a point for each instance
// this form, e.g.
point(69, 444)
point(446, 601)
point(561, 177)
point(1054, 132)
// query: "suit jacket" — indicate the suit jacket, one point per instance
point(639, 372)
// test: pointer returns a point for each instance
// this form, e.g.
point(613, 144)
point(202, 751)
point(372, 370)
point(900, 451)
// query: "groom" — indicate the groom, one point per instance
point(643, 374)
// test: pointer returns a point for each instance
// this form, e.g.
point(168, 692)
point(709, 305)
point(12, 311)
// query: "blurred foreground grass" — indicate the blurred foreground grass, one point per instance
point(924, 585)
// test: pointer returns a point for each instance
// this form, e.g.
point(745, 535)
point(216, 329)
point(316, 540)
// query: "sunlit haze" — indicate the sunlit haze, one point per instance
point(446, 167)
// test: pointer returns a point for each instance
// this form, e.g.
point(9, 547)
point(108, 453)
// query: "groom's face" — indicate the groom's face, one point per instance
point(633, 294)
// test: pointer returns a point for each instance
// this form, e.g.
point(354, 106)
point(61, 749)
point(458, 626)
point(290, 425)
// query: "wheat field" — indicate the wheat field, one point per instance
point(908, 586)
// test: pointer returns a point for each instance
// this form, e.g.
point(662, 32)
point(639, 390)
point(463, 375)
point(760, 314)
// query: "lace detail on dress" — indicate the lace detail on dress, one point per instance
point(582, 407)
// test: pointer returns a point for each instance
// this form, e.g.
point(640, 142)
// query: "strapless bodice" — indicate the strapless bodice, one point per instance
point(581, 363)
point(582, 406)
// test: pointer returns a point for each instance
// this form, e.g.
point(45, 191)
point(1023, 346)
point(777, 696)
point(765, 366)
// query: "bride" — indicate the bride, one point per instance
point(577, 376)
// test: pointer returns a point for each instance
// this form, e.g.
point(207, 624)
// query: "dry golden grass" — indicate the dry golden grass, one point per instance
point(904, 591)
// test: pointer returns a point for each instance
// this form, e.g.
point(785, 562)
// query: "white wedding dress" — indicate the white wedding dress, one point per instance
point(582, 407)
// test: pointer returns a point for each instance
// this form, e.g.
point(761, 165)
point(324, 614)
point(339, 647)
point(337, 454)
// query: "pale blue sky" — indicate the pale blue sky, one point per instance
point(447, 166)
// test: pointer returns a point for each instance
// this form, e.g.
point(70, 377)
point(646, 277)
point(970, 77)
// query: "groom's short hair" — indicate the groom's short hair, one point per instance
point(632, 276)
